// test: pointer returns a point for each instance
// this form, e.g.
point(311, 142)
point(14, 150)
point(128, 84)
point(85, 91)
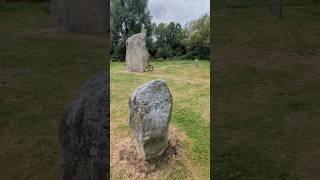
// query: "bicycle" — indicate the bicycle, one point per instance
point(148, 68)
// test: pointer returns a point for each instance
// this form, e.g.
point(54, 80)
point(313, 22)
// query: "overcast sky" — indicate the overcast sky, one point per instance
point(180, 11)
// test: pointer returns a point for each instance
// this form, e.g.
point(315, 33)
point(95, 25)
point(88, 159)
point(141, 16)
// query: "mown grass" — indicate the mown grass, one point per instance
point(40, 73)
point(191, 111)
point(266, 100)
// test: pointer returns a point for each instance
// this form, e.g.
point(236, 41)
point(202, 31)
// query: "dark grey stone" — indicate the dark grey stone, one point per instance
point(84, 133)
point(276, 8)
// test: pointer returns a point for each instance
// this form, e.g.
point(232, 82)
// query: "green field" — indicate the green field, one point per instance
point(190, 88)
point(40, 73)
point(266, 92)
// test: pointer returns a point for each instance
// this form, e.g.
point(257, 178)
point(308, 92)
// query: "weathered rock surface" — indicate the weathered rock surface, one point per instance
point(80, 15)
point(150, 108)
point(276, 8)
point(137, 55)
point(84, 133)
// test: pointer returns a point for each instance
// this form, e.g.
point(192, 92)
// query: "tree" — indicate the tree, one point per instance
point(127, 18)
point(161, 41)
point(174, 37)
point(198, 39)
point(169, 40)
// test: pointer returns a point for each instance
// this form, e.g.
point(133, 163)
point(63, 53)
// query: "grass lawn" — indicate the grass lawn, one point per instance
point(190, 88)
point(266, 93)
point(40, 73)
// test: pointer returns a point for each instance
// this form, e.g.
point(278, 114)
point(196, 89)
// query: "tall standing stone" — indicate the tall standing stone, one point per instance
point(228, 7)
point(80, 15)
point(276, 8)
point(137, 55)
point(150, 108)
point(84, 133)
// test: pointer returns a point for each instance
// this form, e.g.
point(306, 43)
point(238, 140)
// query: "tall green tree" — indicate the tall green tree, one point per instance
point(127, 18)
point(169, 40)
point(198, 39)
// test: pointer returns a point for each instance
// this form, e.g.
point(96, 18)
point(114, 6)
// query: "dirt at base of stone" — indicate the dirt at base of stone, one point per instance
point(128, 155)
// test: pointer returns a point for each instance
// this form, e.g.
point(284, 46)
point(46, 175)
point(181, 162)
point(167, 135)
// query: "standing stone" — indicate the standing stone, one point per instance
point(80, 15)
point(228, 7)
point(84, 133)
point(196, 63)
point(276, 8)
point(137, 55)
point(150, 108)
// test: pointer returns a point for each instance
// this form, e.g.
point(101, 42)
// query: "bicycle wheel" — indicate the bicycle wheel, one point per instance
point(148, 68)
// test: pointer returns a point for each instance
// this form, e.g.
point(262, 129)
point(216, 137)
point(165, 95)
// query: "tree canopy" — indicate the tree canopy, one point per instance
point(198, 37)
point(163, 40)
point(169, 40)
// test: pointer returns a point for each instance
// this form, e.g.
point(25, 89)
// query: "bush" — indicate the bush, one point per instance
point(119, 51)
point(164, 52)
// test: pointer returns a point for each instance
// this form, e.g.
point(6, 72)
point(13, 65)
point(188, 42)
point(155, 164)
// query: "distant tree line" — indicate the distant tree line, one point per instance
point(163, 40)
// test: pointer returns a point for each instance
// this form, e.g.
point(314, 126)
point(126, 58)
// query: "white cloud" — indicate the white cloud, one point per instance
point(181, 11)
